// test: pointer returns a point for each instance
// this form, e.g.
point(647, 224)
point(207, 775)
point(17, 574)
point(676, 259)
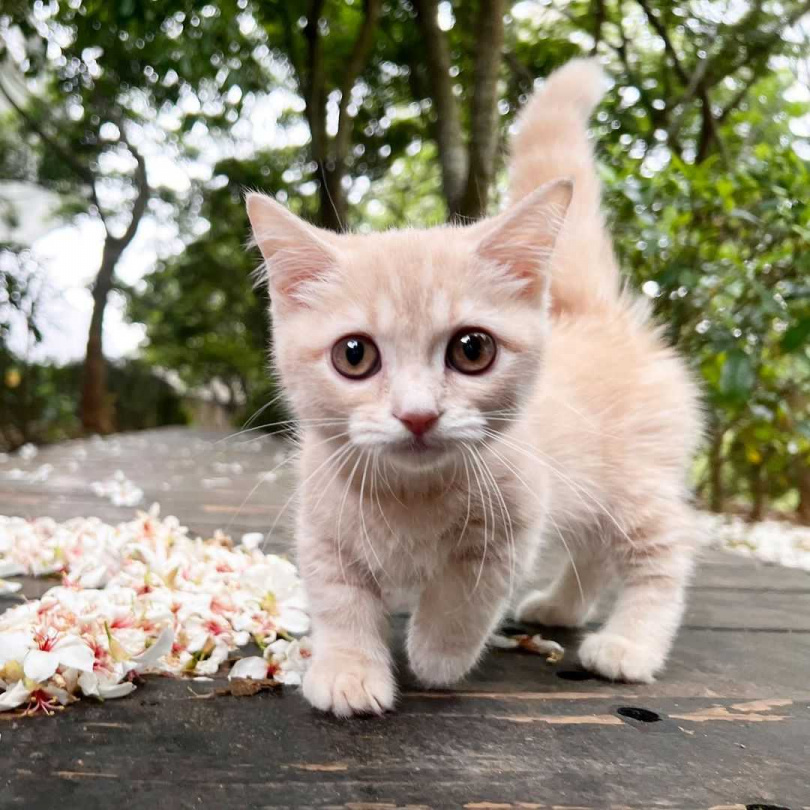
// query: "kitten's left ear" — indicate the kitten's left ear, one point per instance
point(295, 251)
point(521, 240)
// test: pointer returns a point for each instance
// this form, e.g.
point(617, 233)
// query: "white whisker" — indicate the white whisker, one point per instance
point(547, 513)
point(515, 444)
point(366, 539)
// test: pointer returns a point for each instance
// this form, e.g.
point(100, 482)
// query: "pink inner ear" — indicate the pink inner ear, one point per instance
point(524, 262)
point(522, 240)
point(296, 253)
point(293, 267)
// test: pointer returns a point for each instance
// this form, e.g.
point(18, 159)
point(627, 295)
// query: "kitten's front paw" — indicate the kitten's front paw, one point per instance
point(346, 684)
point(619, 658)
point(540, 608)
point(436, 664)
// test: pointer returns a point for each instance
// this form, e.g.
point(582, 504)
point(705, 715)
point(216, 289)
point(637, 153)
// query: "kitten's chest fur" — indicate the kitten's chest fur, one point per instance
point(404, 532)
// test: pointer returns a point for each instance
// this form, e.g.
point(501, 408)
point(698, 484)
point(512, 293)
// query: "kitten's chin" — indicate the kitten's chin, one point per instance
point(416, 458)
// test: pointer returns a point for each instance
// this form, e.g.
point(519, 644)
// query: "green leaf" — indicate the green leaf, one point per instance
point(797, 336)
point(737, 376)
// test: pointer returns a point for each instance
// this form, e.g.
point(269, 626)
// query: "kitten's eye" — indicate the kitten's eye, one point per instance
point(471, 351)
point(356, 357)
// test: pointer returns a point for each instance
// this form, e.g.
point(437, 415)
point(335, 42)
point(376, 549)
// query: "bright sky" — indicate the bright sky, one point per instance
point(71, 253)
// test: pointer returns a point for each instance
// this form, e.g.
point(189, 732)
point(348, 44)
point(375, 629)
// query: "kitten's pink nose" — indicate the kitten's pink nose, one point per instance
point(418, 423)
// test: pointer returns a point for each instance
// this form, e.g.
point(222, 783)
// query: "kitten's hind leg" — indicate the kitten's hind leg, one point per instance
point(570, 599)
point(634, 642)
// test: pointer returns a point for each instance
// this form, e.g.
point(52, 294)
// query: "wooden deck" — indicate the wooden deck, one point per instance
point(727, 726)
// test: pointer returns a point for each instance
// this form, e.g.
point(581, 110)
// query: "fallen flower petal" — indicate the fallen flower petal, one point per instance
point(162, 646)
point(15, 646)
point(252, 540)
point(7, 587)
point(40, 665)
point(74, 653)
point(14, 697)
point(118, 690)
point(252, 667)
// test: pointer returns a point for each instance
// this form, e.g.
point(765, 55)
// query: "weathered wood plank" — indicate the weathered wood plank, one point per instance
point(163, 747)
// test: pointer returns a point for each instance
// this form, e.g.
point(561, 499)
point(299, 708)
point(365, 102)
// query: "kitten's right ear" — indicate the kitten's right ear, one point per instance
point(295, 252)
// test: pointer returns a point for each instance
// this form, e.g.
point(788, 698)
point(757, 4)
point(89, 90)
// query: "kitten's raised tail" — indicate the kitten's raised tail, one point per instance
point(552, 141)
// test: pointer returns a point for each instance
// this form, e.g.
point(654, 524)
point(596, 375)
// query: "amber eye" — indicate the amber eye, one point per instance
point(471, 351)
point(356, 357)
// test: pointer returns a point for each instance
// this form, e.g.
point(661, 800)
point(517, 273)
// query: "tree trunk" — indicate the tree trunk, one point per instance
point(449, 132)
point(96, 410)
point(484, 130)
point(716, 494)
point(757, 482)
point(803, 483)
point(332, 196)
point(332, 170)
point(330, 157)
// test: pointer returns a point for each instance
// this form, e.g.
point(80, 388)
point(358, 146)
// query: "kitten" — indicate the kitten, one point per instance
point(463, 394)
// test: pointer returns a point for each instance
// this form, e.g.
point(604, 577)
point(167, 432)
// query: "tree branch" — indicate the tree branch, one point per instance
point(758, 49)
point(141, 199)
point(658, 117)
point(738, 97)
point(525, 77)
point(662, 32)
point(449, 134)
point(599, 15)
point(82, 172)
point(694, 87)
point(696, 84)
point(708, 132)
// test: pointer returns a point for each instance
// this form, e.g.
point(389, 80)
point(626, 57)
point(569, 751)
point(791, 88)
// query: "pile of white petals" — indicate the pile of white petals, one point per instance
point(140, 597)
point(772, 541)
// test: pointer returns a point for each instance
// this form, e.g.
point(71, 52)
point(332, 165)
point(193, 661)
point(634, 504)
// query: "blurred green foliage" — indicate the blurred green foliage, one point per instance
point(38, 400)
point(702, 140)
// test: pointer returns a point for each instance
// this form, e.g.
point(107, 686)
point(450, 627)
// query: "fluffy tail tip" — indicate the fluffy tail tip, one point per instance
point(579, 83)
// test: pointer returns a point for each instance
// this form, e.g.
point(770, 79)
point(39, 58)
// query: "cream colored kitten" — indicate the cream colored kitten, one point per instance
point(452, 420)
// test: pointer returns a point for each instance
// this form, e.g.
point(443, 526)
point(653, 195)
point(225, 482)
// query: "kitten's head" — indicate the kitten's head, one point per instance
point(411, 342)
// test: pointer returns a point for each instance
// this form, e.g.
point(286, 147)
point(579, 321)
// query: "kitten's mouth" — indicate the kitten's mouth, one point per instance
point(420, 445)
point(419, 449)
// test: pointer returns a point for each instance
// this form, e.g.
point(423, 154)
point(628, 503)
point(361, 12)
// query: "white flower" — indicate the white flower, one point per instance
point(14, 646)
point(40, 658)
point(289, 659)
point(119, 490)
point(70, 652)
